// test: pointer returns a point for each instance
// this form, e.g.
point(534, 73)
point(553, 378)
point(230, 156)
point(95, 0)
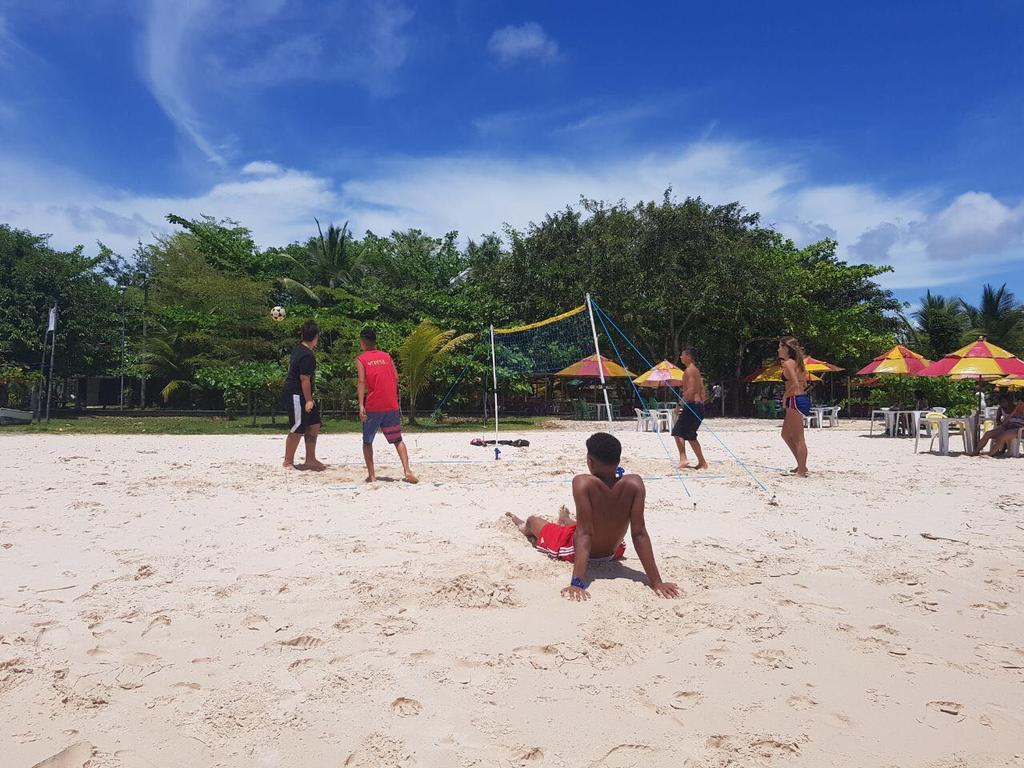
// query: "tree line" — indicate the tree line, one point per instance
point(189, 312)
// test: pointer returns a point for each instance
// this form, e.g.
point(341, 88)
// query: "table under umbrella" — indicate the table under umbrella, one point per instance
point(593, 367)
point(981, 360)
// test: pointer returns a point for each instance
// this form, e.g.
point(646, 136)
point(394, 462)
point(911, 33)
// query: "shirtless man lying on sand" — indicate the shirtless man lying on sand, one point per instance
point(606, 506)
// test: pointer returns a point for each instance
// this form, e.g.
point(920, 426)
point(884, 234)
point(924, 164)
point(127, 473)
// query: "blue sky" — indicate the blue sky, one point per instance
point(894, 127)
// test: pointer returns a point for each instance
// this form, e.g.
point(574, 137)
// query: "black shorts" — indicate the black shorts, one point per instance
point(298, 419)
point(689, 420)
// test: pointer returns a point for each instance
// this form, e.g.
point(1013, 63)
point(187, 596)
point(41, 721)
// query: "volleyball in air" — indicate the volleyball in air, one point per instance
point(278, 314)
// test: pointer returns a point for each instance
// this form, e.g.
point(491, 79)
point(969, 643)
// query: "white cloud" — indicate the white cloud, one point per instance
point(277, 204)
point(975, 222)
point(199, 54)
point(170, 24)
point(526, 41)
point(930, 240)
point(8, 43)
point(261, 168)
point(479, 194)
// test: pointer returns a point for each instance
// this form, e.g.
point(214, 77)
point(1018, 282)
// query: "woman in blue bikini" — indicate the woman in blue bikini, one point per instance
point(796, 402)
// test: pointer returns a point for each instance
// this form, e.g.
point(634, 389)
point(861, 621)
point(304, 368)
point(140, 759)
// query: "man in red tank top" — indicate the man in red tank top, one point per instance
point(378, 403)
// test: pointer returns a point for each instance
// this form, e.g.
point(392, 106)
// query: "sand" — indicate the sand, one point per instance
point(169, 601)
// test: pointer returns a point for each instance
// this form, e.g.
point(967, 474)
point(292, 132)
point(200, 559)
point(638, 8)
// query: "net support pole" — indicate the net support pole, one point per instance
point(41, 388)
point(49, 380)
point(494, 373)
point(600, 365)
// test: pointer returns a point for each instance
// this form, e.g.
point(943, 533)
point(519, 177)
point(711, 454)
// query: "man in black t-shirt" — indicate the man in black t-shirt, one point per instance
point(303, 413)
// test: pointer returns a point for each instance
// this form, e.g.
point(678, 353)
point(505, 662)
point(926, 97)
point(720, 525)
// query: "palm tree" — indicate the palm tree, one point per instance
point(330, 263)
point(166, 359)
point(420, 355)
point(939, 325)
point(999, 318)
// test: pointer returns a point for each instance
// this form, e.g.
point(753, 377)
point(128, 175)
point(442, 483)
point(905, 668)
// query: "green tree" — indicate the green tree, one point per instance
point(34, 277)
point(245, 386)
point(420, 354)
point(225, 244)
point(327, 261)
point(999, 318)
point(167, 360)
point(688, 273)
point(939, 325)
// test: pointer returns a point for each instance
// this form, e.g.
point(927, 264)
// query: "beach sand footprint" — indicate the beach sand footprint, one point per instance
point(940, 714)
point(801, 703)
point(684, 700)
point(13, 672)
point(774, 658)
point(529, 757)
point(753, 750)
point(405, 707)
point(378, 750)
point(76, 756)
point(473, 591)
point(625, 756)
point(302, 642)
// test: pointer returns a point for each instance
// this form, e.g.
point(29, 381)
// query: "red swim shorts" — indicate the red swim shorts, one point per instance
point(556, 541)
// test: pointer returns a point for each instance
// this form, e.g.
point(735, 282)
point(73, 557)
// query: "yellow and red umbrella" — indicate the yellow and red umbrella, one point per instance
point(1010, 382)
point(898, 361)
point(664, 374)
point(819, 366)
point(874, 381)
point(591, 368)
point(773, 371)
point(978, 360)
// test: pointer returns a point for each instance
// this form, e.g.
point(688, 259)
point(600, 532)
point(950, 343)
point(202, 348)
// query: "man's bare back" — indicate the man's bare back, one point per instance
point(611, 507)
point(606, 507)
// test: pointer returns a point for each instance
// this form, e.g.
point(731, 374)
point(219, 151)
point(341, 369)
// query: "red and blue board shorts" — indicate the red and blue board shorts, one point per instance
point(556, 541)
point(388, 422)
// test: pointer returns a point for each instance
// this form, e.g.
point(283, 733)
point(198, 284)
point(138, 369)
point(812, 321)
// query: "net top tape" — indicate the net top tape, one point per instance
point(542, 323)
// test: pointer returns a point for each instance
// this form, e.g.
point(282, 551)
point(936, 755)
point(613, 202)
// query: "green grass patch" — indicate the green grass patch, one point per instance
point(219, 425)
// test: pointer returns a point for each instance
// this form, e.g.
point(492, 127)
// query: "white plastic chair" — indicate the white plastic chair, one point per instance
point(1015, 446)
point(883, 412)
point(663, 420)
point(832, 414)
point(933, 431)
point(645, 422)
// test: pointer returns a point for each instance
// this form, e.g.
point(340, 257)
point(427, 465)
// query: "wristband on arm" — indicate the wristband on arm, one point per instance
point(578, 582)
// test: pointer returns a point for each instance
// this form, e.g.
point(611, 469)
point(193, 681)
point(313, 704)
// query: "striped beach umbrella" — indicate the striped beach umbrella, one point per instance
point(591, 368)
point(978, 360)
point(1010, 382)
point(773, 371)
point(898, 361)
point(664, 374)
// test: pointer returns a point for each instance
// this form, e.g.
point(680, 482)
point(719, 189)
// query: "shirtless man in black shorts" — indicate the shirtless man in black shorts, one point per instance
point(606, 506)
point(690, 411)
